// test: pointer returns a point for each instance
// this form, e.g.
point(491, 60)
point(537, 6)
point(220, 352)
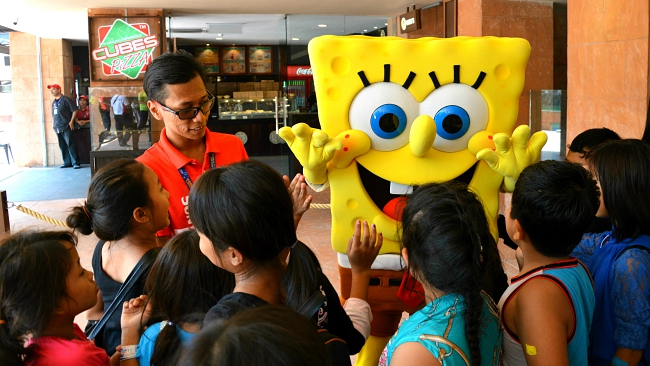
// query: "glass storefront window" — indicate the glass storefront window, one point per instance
point(118, 120)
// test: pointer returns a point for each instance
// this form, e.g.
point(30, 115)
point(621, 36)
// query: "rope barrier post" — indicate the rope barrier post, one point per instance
point(4, 212)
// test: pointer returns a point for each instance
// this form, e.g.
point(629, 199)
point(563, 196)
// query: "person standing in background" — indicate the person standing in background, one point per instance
point(143, 113)
point(64, 114)
point(83, 115)
point(105, 112)
point(123, 118)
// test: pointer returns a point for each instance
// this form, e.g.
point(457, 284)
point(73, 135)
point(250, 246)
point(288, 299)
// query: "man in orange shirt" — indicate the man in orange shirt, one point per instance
point(174, 84)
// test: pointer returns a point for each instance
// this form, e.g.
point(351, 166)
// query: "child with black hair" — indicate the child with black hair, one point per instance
point(42, 288)
point(266, 336)
point(125, 207)
point(448, 248)
point(547, 310)
point(244, 216)
point(619, 260)
point(586, 141)
point(578, 153)
point(182, 285)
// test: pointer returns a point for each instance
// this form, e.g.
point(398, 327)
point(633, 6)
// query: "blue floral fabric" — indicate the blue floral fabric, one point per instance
point(621, 272)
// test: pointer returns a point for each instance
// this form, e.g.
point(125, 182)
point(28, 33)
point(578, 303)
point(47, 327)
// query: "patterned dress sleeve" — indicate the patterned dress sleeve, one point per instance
point(631, 298)
point(590, 241)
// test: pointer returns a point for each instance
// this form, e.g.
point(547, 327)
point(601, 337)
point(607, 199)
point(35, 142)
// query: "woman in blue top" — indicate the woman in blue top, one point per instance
point(182, 286)
point(448, 247)
point(619, 261)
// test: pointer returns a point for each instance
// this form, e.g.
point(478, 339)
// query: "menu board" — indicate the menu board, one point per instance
point(233, 60)
point(260, 60)
point(209, 57)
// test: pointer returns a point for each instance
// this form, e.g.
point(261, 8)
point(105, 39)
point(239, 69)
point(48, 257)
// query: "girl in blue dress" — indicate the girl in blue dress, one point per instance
point(619, 260)
point(448, 248)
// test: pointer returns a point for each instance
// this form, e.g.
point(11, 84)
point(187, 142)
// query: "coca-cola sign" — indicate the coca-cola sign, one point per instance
point(299, 71)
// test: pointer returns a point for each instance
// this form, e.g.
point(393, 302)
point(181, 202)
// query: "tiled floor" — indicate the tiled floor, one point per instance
point(44, 183)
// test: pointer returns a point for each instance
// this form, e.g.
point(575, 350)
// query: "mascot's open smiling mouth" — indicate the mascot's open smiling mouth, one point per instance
point(386, 195)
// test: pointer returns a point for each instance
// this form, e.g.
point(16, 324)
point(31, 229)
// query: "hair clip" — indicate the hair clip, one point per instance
point(86, 212)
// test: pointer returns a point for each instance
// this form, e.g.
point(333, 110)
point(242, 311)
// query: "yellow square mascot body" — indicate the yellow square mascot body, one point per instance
point(397, 113)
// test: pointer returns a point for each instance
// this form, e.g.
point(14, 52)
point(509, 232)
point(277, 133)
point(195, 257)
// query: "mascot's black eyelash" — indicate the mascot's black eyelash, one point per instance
point(432, 75)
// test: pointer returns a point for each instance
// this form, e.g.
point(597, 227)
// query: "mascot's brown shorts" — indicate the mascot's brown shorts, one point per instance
point(386, 307)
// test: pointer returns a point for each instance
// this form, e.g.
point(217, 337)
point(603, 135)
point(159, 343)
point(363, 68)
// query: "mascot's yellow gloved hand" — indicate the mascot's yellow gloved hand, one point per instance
point(313, 149)
point(514, 154)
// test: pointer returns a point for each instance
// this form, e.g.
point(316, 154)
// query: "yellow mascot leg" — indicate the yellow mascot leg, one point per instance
point(370, 353)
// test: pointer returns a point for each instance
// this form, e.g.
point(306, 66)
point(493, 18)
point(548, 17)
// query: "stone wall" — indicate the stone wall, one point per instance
point(534, 22)
point(56, 68)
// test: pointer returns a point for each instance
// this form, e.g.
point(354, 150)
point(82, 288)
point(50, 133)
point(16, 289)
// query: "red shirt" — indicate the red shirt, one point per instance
point(53, 351)
point(165, 160)
point(83, 114)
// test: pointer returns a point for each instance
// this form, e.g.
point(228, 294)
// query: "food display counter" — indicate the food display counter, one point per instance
point(256, 108)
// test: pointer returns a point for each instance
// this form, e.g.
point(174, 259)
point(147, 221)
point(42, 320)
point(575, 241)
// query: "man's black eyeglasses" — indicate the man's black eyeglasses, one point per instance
point(189, 113)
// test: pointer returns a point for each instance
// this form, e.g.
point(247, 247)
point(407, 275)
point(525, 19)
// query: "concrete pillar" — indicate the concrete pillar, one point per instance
point(607, 66)
point(56, 68)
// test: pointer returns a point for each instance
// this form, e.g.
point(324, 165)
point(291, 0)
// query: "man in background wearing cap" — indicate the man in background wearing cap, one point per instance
point(64, 112)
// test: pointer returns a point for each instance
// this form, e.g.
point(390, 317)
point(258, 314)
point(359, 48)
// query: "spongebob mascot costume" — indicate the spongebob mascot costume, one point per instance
point(397, 113)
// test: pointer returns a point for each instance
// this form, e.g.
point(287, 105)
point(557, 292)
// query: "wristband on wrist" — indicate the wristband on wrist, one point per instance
point(128, 352)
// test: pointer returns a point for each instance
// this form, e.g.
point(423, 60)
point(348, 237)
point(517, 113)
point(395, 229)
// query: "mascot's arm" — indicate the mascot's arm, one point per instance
point(313, 149)
point(514, 154)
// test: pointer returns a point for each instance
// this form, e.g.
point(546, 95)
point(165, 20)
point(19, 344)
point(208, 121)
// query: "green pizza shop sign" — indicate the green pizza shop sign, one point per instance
point(125, 49)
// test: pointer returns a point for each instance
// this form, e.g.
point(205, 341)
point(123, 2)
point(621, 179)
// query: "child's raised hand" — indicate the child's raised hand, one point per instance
point(134, 313)
point(364, 247)
point(299, 196)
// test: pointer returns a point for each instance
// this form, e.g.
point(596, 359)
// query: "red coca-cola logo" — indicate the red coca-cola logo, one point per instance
point(302, 71)
point(299, 71)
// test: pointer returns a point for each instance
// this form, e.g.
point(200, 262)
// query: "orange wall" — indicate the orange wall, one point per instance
point(607, 66)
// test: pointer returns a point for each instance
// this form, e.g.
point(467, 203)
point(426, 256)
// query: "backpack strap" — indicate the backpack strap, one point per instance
point(140, 269)
point(313, 303)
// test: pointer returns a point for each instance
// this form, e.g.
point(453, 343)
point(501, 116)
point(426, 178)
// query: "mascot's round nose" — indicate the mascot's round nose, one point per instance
point(423, 132)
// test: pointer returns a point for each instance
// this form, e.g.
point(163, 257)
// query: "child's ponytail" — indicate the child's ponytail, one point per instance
point(301, 277)
point(79, 219)
point(473, 306)
point(168, 343)
point(12, 350)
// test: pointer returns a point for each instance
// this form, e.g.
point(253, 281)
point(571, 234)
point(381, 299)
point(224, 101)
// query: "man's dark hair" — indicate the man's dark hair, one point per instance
point(555, 202)
point(623, 169)
point(170, 68)
point(591, 138)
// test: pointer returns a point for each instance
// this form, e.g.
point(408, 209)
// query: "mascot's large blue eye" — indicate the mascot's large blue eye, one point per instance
point(452, 122)
point(388, 121)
